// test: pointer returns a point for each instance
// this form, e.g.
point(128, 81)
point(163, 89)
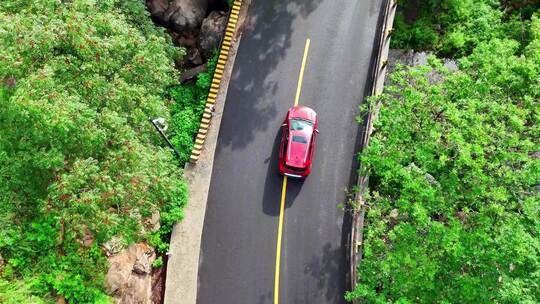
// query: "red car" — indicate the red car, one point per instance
point(298, 142)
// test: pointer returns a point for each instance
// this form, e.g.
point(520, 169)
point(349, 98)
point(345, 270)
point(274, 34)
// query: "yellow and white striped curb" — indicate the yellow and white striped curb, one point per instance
point(216, 81)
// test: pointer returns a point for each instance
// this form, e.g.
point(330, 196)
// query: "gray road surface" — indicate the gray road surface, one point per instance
point(239, 238)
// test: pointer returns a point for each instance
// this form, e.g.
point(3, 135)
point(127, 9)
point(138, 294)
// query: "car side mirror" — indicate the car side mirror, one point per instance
point(316, 130)
point(284, 125)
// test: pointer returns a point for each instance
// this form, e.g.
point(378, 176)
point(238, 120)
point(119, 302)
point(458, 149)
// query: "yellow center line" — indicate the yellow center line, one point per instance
point(301, 76)
point(284, 189)
point(280, 230)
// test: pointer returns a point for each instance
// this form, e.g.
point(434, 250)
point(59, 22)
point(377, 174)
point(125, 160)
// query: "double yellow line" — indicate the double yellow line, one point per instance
point(284, 188)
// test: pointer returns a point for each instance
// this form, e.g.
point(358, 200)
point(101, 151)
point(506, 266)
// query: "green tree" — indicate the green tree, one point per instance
point(454, 172)
point(79, 161)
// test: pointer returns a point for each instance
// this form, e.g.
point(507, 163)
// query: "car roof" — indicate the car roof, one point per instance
point(298, 148)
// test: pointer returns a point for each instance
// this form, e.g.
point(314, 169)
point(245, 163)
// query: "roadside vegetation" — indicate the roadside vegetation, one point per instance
point(453, 28)
point(454, 162)
point(187, 109)
point(79, 161)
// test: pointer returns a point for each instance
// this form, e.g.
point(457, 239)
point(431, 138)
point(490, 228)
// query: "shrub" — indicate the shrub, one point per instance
point(453, 28)
point(189, 101)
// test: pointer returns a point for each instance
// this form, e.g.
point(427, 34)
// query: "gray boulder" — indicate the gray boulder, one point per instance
point(212, 31)
point(194, 56)
point(157, 8)
point(185, 15)
point(192, 73)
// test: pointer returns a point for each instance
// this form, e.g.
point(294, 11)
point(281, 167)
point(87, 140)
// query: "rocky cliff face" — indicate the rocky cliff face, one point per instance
point(129, 278)
point(196, 25)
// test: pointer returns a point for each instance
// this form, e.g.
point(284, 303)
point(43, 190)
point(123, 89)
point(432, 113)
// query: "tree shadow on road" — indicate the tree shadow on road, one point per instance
point(329, 270)
point(251, 95)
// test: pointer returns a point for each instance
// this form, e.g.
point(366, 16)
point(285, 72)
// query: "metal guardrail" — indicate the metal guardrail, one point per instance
point(223, 56)
point(379, 72)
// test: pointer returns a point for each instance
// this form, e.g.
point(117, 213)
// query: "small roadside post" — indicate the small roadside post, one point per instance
point(161, 126)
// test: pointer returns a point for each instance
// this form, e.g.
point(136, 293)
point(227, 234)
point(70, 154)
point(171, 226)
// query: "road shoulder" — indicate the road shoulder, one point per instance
point(183, 261)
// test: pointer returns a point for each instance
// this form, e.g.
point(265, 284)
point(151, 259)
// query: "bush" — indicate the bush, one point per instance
point(453, 28)
point(79, 161)
point(454, 201)
point(189, 101)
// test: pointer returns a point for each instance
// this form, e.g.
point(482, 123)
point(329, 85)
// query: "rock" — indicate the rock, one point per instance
point(158, 284)
point(153, 222)
point(121, 281)
point(412, 167)
point(430, 179)
point(142, 264)
point(191, 73)
point(535, 154)
point(185, 15)
point(462, 216)
point(211, 34)
point(88, 239)
point(194, 56)
point(394, 213)
point(10, 81)
point(420, 58)
point(157, 8)
point(186, 39)
point(113, 246)
point(399, 56)
point(411, 58)
point(451, 64)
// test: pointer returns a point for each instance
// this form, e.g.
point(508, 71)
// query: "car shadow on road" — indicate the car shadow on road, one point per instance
point(273, 185)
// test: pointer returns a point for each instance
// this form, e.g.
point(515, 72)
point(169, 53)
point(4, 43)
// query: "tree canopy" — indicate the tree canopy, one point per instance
point(79, 161)
point(454, 199)
point(455, 27)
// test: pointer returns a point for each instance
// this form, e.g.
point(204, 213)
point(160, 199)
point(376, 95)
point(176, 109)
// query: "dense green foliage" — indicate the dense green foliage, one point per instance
point(455, 27)
point(189, 102)
point(79, 161)
point(454, 200)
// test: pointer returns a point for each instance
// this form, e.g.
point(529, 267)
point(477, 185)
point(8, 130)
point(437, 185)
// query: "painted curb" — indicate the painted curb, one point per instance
point(216, 81)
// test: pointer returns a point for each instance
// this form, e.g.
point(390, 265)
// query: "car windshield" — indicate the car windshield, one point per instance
point(299, 139)
point(301, 125)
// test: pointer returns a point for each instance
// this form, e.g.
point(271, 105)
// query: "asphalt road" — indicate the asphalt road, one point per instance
point(238, 254)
